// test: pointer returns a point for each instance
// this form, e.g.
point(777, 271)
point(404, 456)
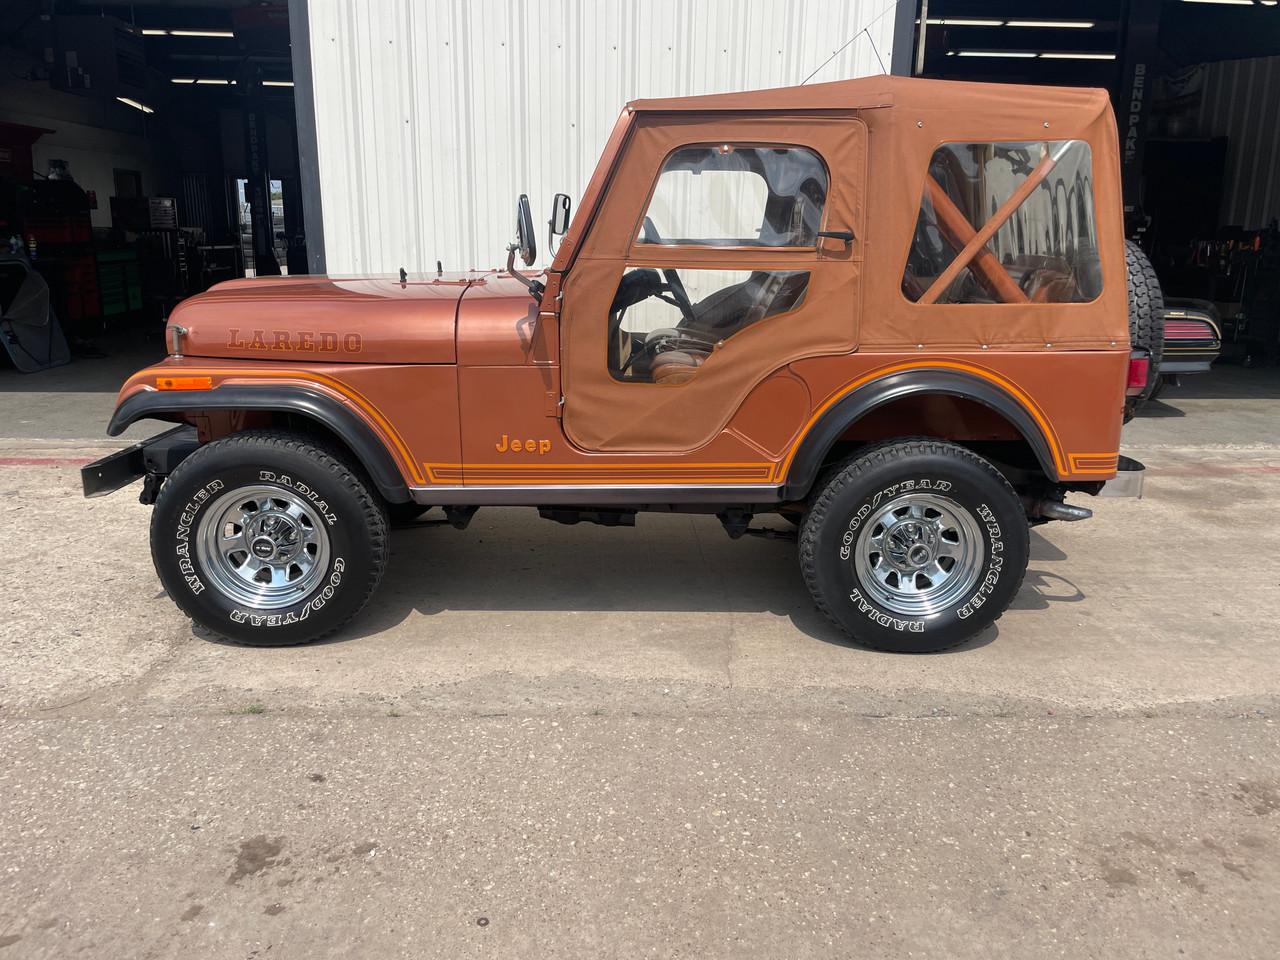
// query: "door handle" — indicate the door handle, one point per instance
point(845, 235)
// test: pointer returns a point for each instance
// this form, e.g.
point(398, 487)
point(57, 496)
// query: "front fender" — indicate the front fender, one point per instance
point(336, 417)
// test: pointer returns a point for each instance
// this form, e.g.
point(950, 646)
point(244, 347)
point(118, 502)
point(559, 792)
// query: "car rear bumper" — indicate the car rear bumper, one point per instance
point(1128, 480)
point(1187, 365)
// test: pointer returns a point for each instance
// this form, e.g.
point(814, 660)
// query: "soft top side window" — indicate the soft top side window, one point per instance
point(1034, 199)
point(737, 196)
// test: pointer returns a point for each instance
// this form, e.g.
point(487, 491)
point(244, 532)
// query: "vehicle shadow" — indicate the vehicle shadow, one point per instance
point(668, 565)
point(1040, 588)
point(1159, 410)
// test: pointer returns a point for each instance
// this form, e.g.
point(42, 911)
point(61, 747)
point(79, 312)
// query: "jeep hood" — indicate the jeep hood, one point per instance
point(325, 319)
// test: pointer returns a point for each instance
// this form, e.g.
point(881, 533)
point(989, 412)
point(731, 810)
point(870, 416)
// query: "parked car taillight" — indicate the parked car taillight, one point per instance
point(1183, 329)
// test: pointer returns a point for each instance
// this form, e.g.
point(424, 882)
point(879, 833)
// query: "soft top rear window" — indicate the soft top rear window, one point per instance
point(1034, 198)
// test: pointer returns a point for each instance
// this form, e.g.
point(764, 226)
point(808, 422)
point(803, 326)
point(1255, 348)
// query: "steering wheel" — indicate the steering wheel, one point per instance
point(674, 285)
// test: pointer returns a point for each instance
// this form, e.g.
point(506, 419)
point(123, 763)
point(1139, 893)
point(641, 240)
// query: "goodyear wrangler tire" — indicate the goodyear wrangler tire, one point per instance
point(268, 539)
point(914, 545)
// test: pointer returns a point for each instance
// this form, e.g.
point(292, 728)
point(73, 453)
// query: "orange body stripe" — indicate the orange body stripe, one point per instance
point(346, 392)
point(705, 473)
point(1028, 403)
point(1094, 462)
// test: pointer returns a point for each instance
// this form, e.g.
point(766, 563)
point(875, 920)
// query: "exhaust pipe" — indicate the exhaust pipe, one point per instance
point(1057, 510)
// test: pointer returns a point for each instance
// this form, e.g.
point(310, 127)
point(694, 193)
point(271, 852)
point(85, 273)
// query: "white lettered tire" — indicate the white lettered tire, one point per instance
point(268, 538)
point(914, 545)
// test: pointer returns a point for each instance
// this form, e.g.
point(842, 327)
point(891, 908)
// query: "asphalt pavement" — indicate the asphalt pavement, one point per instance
point(550, 741)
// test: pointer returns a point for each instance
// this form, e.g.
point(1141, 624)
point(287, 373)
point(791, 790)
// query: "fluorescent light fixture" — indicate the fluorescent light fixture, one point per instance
point(1236, 3)
point(215, 81)
point(951, 22)
point(1077, 56)
point(277, 83)
point(202, 33)
point(135, 104)
point(182, 80)
point(1026, 55)
point(155, 33)
point(1063, 24)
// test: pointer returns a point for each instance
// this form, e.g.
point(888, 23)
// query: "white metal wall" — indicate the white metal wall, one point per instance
point(433, 115)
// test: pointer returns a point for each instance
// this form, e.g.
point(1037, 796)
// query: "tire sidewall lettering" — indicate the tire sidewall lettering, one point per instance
point(994, 565)
point(182, 534)
point(284, 480)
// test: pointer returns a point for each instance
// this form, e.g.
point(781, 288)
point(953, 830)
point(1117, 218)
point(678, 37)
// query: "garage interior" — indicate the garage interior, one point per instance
point(149, 150)
point(1196, 89)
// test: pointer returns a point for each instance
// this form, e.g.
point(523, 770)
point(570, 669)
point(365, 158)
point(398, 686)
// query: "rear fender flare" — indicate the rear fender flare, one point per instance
point(832, 424)
point(348, 426)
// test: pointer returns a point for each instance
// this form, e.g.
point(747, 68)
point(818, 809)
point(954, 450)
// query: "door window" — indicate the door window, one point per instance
point(737, 196)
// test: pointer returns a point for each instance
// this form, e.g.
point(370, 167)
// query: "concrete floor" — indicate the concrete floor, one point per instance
point(572, 741)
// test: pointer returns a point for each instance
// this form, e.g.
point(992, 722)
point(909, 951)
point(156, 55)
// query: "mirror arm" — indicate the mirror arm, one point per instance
point(535, 288)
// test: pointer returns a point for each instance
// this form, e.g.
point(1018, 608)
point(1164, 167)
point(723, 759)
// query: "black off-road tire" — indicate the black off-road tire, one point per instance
point(968, 547)
point(1146, 318)
point(268, 538)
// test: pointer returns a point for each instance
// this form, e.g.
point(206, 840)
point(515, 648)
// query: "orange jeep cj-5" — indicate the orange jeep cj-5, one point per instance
point(894, 312)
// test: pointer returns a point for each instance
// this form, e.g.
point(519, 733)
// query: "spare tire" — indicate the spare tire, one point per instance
point(1146, 318)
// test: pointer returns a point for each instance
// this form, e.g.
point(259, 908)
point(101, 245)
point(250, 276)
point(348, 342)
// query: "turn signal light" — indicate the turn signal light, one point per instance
point(1139, 368)
point(204, 383)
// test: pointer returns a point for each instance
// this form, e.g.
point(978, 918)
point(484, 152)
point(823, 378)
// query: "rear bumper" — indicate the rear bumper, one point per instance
point(1128, 480)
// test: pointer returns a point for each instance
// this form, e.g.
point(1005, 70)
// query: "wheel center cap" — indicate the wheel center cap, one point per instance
point(264, 548)
point(910, 544)
point(274, 539)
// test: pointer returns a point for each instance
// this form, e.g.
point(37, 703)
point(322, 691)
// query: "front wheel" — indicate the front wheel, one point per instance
point(914, 545)
point(268, 539)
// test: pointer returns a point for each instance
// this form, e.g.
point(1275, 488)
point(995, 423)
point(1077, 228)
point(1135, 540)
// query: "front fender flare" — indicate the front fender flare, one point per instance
point(822, 435)
point(325, 410)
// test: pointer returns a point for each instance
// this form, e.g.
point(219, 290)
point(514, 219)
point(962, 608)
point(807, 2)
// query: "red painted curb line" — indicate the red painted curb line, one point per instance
point(42, 462)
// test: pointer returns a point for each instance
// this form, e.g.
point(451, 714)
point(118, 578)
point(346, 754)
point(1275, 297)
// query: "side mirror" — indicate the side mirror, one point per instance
point(525, 240)
point(559, 222)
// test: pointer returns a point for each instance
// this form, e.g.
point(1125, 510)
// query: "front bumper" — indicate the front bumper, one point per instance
point(1128, 480)
point(156, 456)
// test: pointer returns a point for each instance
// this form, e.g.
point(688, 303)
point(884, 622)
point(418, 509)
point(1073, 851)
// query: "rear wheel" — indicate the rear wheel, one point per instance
point(268, 539)
point(914, 545)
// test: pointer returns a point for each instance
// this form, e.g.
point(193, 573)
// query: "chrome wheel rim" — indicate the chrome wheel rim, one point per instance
point(918, 554)
point(263, 546)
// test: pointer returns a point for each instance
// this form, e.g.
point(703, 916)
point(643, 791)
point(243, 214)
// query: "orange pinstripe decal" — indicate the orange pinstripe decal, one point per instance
point(707, 473)
point(357, 400)
point(1094, 462)
point(1028, 403)
point(591, 473)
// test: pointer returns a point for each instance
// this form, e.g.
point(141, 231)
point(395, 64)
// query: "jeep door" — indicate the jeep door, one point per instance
point(704, 271)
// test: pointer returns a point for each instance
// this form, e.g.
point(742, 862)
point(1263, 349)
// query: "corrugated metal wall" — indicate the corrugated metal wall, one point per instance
point(431, 117)
point(1241, 101)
